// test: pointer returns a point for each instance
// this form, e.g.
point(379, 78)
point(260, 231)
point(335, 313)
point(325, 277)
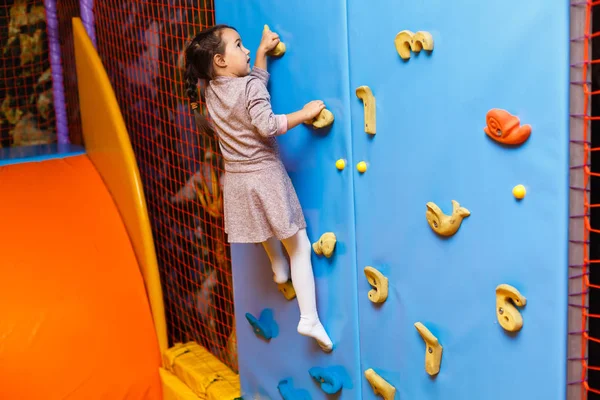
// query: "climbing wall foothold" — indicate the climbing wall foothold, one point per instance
point(325, 118)
point(287, 289)
point(264, 326)
point(442, 224)
point(507, 297)
point(325, 245)
point(327, 378)
point(287, 391)
point(433, 350)
point(503, 127)
point(279, 50)
point(379, 282)
point(406, 40)
point(380, 386)
point(340, 164)
point(519, 192)
point(361, 167)
point(366, 95)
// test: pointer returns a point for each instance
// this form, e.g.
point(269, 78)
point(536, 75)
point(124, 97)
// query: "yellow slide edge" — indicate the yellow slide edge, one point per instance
point(107, 145)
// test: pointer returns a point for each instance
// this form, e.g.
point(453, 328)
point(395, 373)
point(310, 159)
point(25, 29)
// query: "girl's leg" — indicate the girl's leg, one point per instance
point(279, 264)
point(299, 249)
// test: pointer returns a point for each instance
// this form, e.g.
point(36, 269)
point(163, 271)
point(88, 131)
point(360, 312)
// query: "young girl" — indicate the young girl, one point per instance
point(260, 203)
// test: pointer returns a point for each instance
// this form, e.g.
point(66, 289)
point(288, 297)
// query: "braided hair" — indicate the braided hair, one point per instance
point(199, 56)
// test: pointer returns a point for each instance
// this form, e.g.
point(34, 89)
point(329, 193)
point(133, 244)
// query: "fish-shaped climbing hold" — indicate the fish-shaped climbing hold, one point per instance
point(505, 128)
point(442, 224)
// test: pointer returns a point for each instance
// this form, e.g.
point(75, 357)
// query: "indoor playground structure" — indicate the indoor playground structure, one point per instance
point(446, 189)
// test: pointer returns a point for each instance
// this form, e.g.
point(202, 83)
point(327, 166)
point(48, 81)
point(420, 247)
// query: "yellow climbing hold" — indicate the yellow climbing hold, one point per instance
point(279, 50)
point(361, 167)
point(340, 164)
point(519, 191)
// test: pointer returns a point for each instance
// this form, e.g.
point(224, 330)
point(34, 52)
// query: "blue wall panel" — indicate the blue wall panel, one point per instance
point(430, 146)
point(315, 66)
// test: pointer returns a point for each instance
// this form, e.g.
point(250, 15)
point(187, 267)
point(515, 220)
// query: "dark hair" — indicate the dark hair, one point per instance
point(199, 55)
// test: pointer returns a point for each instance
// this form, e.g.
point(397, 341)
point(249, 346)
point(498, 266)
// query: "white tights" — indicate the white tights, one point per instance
point(299, 249)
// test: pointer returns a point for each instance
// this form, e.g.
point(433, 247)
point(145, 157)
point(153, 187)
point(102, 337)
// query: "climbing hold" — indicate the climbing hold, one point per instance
point(366, 95)
point(330, 382)
point(361, 167)
point(379, 385)
point(325, 245)
point(519, 191)
point(433, 350)
point(288, 392)
point(279, 50)
point(340, 164)
point(405, 41)
point(322, 120)
point(442, 224)
point(506, 128)
point(379, 282)
point(287, 289)
point(265, 325)
point(507, 297)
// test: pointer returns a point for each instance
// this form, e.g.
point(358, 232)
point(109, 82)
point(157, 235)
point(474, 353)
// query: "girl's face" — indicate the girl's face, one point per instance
point(236, 57)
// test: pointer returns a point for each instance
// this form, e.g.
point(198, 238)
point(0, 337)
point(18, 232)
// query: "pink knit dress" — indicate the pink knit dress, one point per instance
point(259, 199)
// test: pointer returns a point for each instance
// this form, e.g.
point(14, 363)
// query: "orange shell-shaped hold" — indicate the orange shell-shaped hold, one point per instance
point(505, 128)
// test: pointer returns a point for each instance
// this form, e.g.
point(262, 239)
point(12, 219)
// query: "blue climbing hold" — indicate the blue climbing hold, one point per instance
point(329, 380)
point(265, 325)
point(288, 392)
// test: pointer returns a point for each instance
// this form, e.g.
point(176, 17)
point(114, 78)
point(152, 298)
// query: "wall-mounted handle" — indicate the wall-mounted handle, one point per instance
point(366, 95)
point(380, 386)
point(379, 282)
point(507, 297)
point(433, 350)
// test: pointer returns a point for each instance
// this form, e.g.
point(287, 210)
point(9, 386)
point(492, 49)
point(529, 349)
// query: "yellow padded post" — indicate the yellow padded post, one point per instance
point(107, 144)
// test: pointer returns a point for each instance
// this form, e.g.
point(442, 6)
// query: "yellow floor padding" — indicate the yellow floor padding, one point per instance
point(198, 372)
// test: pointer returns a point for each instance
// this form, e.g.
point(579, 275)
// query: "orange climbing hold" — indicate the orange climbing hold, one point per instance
point(506, 128)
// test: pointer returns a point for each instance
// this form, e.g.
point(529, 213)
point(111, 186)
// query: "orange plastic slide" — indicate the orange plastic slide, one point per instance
point(75, 321)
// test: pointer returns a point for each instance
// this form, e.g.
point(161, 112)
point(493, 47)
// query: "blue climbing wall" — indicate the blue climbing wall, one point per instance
point(429, 146)
point(315, 66)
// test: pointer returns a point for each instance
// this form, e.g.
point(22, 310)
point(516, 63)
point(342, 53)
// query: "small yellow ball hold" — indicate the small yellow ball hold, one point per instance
point(340, 164)
point(519, 191)
point(361, 166)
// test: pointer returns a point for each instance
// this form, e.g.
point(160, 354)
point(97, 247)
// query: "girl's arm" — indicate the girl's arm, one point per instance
point(308, 112)
point(268, 42)
point(261, 58)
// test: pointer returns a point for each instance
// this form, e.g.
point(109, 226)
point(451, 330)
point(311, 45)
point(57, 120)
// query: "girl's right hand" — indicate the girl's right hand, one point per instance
point(313, 109)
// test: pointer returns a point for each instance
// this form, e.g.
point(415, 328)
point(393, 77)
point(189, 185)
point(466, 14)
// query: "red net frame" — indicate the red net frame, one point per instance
point(141, 45)
point(584, 318)
point(26, 98)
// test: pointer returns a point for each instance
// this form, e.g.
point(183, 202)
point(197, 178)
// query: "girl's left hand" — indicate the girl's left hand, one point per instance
point(269, 41)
